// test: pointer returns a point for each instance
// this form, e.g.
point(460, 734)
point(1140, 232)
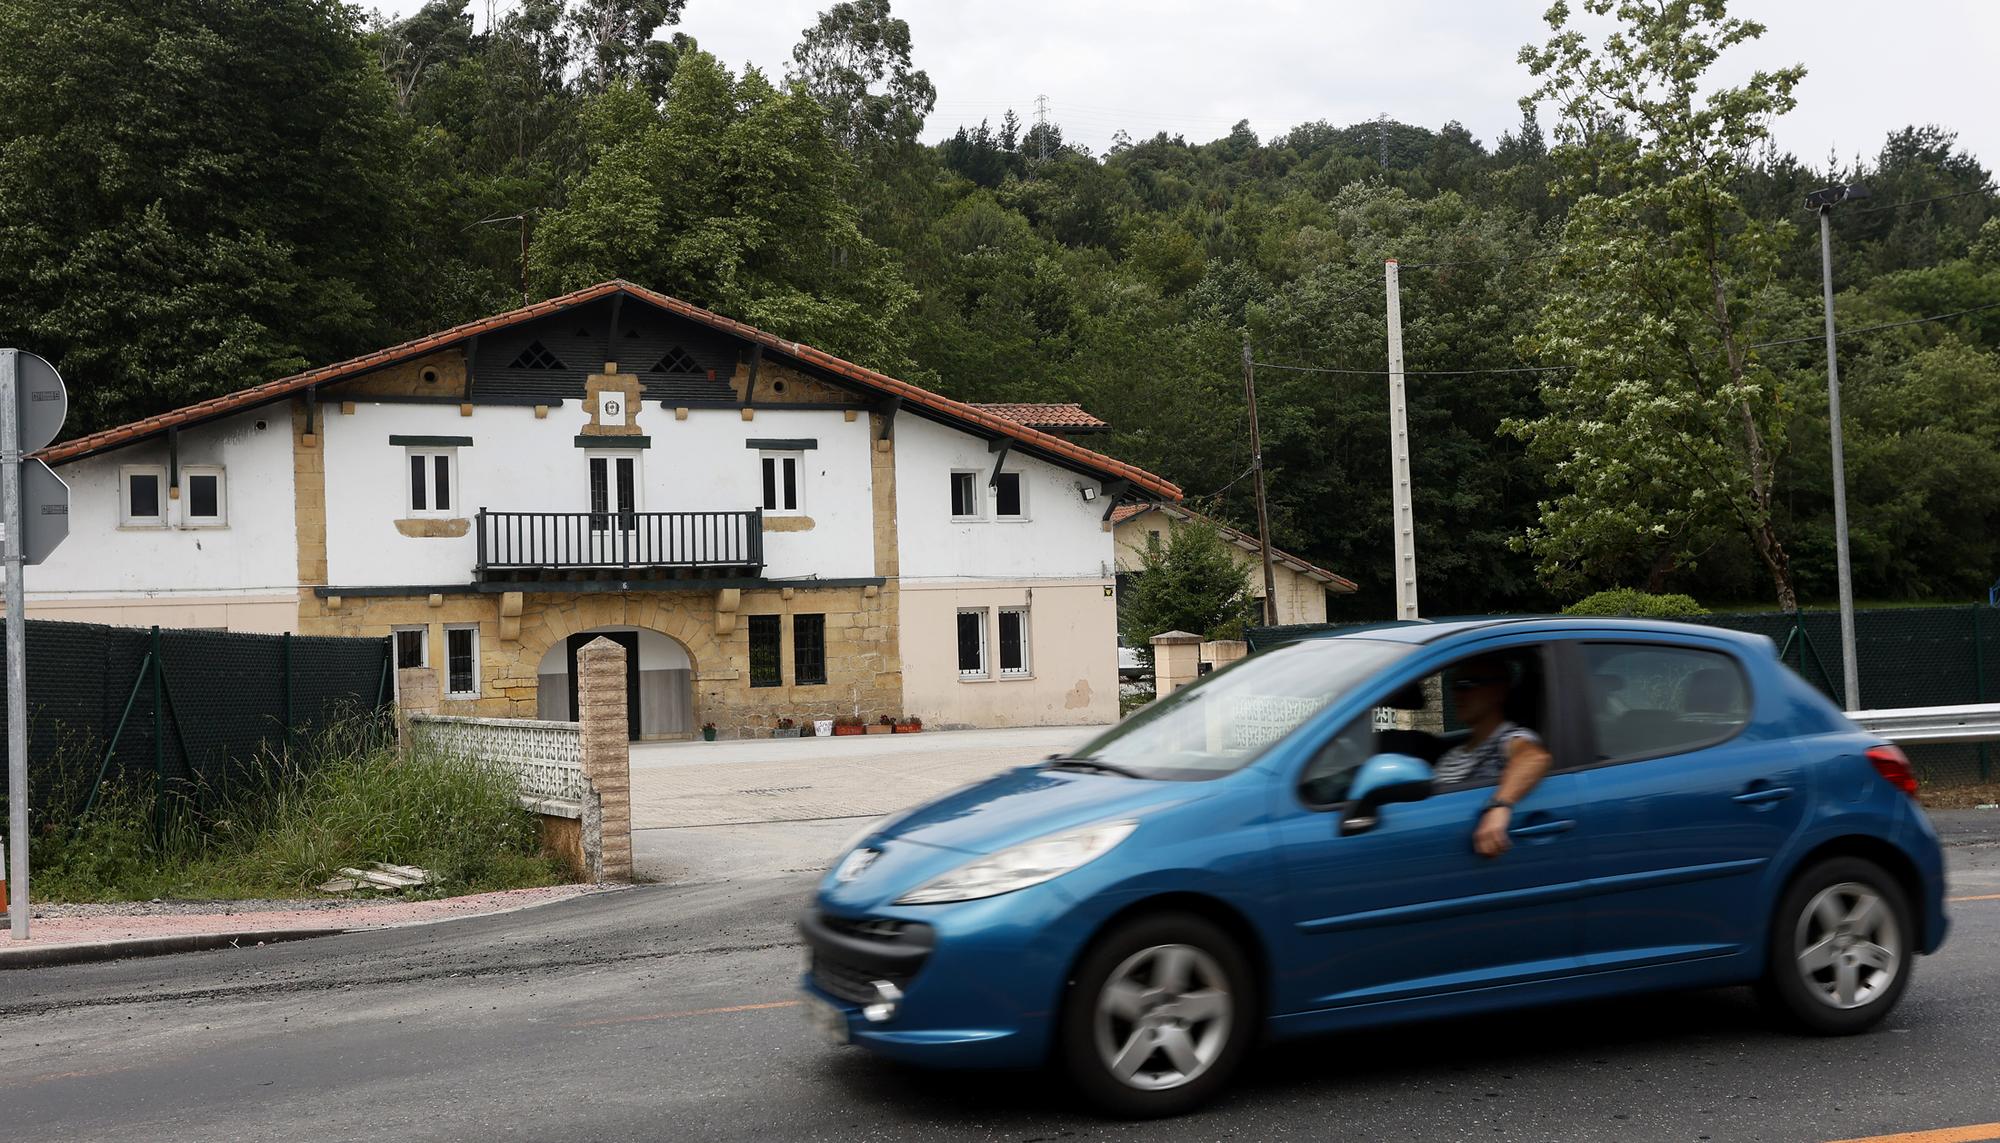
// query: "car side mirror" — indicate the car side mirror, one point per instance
point(1383, 779)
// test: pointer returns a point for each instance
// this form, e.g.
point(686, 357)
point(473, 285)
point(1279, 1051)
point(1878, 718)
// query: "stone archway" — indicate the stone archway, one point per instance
point(674, 637)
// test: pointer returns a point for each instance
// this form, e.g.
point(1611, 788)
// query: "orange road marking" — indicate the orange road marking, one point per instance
point(1975, 1133)
point(1982, 897)
point(689, 1012)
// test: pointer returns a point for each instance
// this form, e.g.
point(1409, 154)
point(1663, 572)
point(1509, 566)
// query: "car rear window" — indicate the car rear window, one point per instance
point(1649, 699)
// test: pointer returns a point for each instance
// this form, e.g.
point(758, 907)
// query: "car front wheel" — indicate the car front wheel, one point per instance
point(1841, 947)
point(1161, 1011)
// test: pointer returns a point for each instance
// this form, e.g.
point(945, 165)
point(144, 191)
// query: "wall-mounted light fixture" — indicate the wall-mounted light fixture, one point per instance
point(1087, 492)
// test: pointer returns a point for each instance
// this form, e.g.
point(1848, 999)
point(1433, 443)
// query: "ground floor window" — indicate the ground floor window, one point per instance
point(461, 662)
point(1013, 641)
point(413, 647)
point(765, 640)
point(808, 649)
point(972, 644)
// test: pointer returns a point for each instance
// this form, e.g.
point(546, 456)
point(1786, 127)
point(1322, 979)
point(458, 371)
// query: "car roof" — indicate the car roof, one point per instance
point(1424, 631)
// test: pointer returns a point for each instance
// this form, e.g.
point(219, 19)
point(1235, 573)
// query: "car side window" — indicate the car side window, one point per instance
point(1328, 774)
point(1650, 700)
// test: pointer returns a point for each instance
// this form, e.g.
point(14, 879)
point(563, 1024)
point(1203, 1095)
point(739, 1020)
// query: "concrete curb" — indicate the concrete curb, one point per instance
point(81, 952)
point(84, 952)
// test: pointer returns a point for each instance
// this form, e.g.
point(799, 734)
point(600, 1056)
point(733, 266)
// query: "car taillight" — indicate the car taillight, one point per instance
point(1894, 766)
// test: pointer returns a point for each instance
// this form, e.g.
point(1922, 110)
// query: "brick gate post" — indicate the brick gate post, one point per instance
point(416, 693)
point(607, 761)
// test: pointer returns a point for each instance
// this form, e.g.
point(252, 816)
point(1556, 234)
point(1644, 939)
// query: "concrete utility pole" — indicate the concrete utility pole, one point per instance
point(1399, 456)
point(1823, 201)
point(17, 647)
point(1257, 472)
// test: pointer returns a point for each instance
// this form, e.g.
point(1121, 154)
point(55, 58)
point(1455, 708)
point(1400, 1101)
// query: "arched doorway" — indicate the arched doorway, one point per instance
point(659, 681)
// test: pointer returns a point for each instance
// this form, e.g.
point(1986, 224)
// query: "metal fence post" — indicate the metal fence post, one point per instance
point(1979, 684)
point(159, 739)
point(285, 688)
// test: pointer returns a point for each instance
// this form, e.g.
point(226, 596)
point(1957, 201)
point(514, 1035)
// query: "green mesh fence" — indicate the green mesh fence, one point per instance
point(193, 711)
point(1906, 656)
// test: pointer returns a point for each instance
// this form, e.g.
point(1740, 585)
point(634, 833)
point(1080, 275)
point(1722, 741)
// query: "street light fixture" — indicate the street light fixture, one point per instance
point(1822, 202)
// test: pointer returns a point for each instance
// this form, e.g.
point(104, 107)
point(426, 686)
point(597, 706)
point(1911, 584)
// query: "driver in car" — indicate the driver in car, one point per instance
point(1497, 748)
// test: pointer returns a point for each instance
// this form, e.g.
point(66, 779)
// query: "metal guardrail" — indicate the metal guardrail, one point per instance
point(1927, 724)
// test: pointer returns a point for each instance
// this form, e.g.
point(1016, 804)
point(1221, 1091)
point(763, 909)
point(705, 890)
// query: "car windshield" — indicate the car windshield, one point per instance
point(1218, 725)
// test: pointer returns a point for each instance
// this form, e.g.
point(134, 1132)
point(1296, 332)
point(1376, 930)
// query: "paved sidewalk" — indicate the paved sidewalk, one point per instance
point(685, 784)
point(133, 933)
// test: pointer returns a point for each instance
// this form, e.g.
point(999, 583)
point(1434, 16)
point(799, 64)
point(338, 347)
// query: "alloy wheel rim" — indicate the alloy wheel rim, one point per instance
point(1163, 1017)
point(1847, 945)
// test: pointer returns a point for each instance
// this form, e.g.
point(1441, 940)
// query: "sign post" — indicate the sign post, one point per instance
point(33, 406)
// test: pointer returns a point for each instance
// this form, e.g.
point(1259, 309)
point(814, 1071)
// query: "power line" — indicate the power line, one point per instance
point(1921, 201)
point(1562, 368)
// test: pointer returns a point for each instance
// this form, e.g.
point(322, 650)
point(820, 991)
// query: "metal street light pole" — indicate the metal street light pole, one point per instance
point(1823, 201)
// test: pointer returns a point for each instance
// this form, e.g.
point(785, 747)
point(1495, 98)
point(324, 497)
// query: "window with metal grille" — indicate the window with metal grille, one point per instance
point(678, 360)
point(765, 670)
point(781, 482)
point(808, 649)
point(1007, 496)
point(1013, 641)
point(965, 495)
point(413, 647)
point(972, 644)
point(461, 662)
point(536, 356)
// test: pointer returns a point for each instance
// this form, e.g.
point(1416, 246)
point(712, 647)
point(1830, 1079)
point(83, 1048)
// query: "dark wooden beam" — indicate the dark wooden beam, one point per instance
point(611, 331)
point(173, 458)
point(1113, 489)
point(471, 356)
point(756, 363)
point(1005, 446)
point(889, 409)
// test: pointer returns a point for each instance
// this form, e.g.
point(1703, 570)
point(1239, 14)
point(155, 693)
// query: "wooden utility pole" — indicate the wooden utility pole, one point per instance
point(1257, 473)
point(1399, 457)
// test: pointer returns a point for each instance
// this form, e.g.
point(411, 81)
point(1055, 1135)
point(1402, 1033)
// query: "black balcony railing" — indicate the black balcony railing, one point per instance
point(532, 541)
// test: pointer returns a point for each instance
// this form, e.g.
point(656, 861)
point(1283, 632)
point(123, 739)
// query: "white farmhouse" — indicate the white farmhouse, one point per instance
point(771, 531)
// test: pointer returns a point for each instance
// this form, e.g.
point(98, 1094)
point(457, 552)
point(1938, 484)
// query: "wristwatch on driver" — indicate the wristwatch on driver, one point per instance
point(1497, 802)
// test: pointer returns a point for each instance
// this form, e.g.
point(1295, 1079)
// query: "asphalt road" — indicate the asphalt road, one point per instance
point(665, 1012)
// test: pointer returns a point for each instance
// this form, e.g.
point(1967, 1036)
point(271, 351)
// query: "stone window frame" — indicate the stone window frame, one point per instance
point(777, 626)
point(971, 476)
point(221, 518)
point(125, 517)
point(455, 489)
point(451, 692)
point(1027, 668)
point(984, 670)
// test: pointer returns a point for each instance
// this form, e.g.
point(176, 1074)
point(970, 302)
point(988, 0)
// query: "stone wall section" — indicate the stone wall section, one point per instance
point(440, 375)
point(785, 385)
point(309, 493)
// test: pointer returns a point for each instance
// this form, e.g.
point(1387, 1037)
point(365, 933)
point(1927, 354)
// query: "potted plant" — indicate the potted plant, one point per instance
point(822, 727)
point(708, 732)
point(884, 725)
point(848, 724)
point(910, 725)
point(786, 728)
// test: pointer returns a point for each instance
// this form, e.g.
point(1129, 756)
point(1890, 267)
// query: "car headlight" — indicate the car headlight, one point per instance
point(1017, 867)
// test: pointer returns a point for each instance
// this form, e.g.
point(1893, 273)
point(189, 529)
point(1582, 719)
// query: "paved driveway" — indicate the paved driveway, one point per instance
point(805, 779)
point(708, 811)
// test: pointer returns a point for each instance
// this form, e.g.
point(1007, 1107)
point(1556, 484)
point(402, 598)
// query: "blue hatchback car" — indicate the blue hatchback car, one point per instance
point(1267, 853)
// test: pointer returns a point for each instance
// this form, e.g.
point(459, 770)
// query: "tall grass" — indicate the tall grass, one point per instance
point(292, 822)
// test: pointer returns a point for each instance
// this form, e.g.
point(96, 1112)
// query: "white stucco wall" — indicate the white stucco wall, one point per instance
point(255, 554)
point(520, 463)
point(1061, 535)
point(1072, 655)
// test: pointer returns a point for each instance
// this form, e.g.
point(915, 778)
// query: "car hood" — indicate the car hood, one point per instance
point(1026, 803)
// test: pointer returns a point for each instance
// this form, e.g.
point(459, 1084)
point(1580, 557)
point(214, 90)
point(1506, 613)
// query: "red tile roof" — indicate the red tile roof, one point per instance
point(1242, 540)
point(959, 411)
point(1061, 417)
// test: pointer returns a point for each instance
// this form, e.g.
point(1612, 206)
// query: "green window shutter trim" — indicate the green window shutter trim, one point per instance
point(430, 442)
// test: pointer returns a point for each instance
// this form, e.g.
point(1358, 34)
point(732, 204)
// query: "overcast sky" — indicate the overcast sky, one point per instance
point(1196, 68)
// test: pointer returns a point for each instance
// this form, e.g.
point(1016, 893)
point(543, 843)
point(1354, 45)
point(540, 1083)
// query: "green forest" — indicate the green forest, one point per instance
point(1612, 312)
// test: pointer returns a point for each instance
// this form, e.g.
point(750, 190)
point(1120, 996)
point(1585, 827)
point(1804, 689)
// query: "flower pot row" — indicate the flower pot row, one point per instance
point(842, 727)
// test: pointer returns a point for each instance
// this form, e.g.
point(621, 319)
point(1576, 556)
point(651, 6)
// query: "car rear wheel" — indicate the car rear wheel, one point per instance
point(1160, 1013)
point(1841, 947)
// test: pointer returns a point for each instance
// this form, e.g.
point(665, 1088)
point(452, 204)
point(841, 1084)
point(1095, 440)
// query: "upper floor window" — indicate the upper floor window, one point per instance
point(142, 499)
point(677, 360)
point(965, 496)
point(784, 491)
point(203, 504)
point(433, 482)
point(1008, 497)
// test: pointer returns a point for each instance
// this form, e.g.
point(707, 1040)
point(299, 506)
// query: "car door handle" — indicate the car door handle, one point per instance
point(1544, 828)
point(1760, 794)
